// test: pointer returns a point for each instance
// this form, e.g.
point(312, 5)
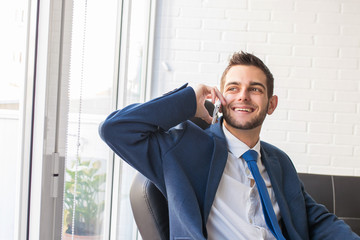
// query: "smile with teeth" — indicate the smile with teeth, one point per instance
point(249, 110)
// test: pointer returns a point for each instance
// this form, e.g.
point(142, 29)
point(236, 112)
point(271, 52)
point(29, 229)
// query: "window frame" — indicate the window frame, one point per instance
point(22, 211)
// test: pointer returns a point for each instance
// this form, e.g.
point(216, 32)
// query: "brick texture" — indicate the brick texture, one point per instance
point(313, 50)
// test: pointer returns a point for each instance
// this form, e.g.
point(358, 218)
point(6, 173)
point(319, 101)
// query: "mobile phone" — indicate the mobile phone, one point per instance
point(216, 111)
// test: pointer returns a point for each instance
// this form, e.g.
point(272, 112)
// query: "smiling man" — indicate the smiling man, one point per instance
point(222, 182)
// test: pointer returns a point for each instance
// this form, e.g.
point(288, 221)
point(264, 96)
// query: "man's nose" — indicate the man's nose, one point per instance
point(243, 95)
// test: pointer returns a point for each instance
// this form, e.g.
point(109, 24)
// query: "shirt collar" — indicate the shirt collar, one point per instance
point(237, 147)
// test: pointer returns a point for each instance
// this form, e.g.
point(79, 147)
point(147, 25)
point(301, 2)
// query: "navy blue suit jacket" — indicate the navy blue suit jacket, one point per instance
point(186, 164)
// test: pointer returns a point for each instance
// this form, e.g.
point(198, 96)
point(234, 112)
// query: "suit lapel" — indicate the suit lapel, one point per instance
point(273, 168)
point(275, 173)
point(218, 162)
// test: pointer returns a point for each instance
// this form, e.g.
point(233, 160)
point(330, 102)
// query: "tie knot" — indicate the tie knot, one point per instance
point(250, 155)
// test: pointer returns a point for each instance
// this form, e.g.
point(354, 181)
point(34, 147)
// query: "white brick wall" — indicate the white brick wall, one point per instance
point(313, 50)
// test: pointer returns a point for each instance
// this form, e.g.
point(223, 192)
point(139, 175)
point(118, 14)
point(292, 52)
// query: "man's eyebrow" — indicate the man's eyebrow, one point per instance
point(257, 84)
point(251, 84)
point(232, 83)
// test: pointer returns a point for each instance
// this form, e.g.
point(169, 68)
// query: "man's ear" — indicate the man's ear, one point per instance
point(273, 101)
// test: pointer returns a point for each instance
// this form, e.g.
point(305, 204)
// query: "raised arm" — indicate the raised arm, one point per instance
point(138, 132)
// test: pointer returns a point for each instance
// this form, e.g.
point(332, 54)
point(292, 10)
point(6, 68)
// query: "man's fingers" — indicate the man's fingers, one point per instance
point(213, 95)
point(220, 96)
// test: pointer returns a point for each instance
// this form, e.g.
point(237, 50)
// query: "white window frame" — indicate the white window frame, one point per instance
point(22, 186)
point(43, 202)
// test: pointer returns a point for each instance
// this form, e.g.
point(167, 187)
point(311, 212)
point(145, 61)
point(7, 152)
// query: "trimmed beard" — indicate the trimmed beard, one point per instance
point(254, 123)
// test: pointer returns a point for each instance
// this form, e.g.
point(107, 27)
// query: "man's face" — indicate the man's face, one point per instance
point(245, 91)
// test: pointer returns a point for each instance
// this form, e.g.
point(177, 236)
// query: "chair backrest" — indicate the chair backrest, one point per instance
point(150, 209)
point(339, 194)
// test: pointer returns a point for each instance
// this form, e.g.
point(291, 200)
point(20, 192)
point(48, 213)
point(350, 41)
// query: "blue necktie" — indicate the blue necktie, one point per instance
point(271, 221)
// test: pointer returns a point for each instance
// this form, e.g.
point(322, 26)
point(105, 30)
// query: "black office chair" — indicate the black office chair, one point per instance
point(151, 214)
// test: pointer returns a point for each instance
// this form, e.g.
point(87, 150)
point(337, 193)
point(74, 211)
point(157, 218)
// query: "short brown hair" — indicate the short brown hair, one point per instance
point(247, 59)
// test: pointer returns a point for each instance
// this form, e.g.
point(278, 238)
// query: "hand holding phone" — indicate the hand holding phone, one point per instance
point(203, 93)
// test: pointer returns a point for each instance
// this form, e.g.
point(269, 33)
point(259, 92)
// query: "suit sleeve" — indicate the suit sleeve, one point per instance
point(324, 225)
point(139, 132)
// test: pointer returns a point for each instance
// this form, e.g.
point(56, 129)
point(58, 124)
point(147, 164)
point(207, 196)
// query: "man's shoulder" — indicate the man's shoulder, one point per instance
point(268, 146)
point(272, 150)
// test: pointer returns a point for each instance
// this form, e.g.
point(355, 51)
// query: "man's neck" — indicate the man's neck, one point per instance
point(249, 137)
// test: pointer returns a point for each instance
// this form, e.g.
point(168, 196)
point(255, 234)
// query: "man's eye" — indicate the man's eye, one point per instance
point(255, 90)
point(232, 89)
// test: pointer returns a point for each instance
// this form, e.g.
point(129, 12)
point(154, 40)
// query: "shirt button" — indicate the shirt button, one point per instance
point(247, 171)
point(251, 221)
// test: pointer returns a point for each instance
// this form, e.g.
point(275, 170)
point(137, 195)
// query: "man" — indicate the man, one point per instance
point(211, 189)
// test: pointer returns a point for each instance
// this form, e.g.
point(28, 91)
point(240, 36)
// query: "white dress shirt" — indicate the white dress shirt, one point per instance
point(236, 212)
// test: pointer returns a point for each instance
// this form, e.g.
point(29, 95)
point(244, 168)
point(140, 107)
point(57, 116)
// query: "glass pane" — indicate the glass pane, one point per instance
point(135, 90)
point(138, 29)
point(13, 24)
point(93, 51)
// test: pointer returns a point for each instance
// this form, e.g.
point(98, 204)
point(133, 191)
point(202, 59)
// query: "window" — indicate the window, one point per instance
point(108, 69)
point(90, 98)
point(77, 61)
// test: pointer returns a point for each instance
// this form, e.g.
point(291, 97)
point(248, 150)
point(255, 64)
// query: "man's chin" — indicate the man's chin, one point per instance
point(249, 125)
